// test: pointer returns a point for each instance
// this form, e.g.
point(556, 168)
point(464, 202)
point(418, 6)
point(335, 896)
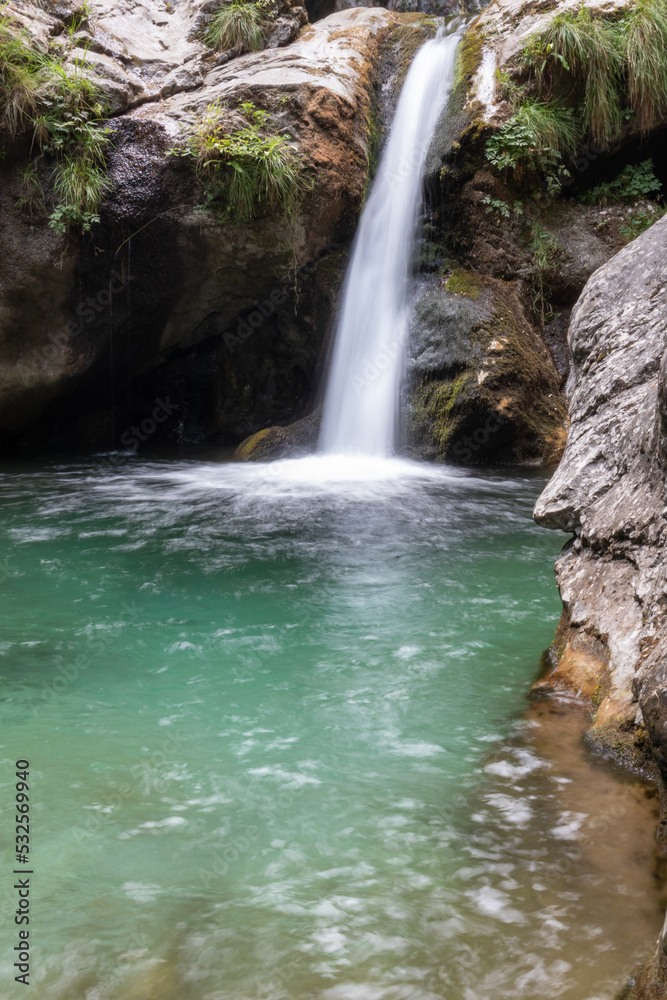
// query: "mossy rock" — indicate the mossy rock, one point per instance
point(482, 385)
point(464, 283)
point(292, 441)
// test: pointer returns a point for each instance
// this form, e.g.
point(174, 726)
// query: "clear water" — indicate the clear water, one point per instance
point(292, 761)
point(362, 394)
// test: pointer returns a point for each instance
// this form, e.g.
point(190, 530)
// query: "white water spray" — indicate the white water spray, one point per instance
point(362, 397)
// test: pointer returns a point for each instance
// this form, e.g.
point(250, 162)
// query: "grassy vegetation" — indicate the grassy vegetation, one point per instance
point(545, 252)
point(637, 224)
point(536, 139)
point(61, 107)
point(633, 183)
point(587, 49)
point(31, 193)
point(238, 23)
point(245, 169)
point(591, 74)
point(21, 73)
point(645, 40)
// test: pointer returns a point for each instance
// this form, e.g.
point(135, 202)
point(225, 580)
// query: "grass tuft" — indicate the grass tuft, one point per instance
point(238, 24)
point(62, 108)
point(550, 126)
point(79, 186)
point(21, 72)
point(245, 169)
point(644, 34)
point(30, 190)
point(587, 48)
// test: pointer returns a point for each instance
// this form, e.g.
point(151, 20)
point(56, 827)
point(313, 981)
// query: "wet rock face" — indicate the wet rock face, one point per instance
point(609, 489)
point(483, 387)
point(585, 237)
point(162, 282)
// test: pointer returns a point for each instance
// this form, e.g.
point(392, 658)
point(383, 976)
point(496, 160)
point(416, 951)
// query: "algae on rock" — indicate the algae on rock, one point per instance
point(483, 386)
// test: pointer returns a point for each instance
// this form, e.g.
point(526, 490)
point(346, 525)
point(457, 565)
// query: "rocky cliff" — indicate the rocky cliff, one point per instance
point(163, 297)
point(609, 493)
point(508, 246)
point(527, 232)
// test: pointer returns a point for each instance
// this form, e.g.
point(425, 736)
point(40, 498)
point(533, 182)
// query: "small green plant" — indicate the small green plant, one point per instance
point(238, 24)
point(641, 221)
point(256, 115)
point(504, 208)
point(244, 169)
point(535, 140)
point(21, 73)
point(634, 182)
point(508, 89)
point(81, 18)
point(30, 191)
point(545, 252)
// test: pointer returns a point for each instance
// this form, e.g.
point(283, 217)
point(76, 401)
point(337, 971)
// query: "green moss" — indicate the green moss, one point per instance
point(258, 446)
point(373, 141)
point(629, 746)
point(493, 384)
point(333, 265)
point(437, 405)
point(464, 283)
point(469, 56)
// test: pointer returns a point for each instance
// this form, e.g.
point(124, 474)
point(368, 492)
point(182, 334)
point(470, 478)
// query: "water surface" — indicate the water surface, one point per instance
point(276, 719)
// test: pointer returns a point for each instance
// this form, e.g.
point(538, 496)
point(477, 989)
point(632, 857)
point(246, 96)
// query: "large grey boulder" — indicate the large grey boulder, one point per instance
point(609, 491)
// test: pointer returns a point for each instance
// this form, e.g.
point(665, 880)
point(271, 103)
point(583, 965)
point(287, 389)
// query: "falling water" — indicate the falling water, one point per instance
point(362, 397)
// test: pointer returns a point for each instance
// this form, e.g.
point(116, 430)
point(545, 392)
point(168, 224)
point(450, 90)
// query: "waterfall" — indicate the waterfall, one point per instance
point(362, 395)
